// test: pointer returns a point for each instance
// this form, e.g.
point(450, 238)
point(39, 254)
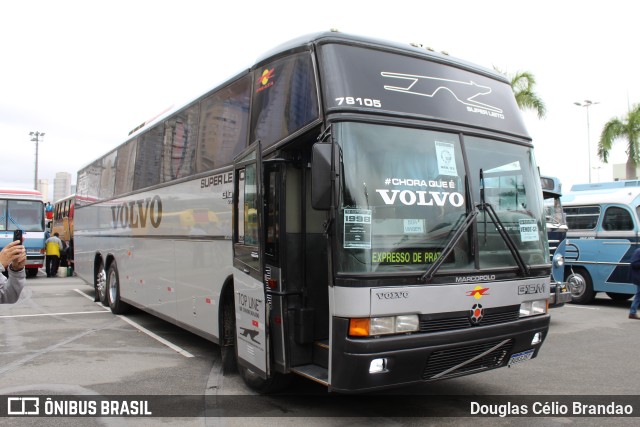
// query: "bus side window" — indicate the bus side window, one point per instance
point(617, 219)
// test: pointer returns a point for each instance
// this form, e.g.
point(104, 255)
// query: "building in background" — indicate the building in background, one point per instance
point(620, 172)
point(61, 185)
point(43, 187)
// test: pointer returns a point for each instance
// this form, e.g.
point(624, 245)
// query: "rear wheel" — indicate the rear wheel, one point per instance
point(581, 286)
point(618, 297)
point(32, 272)
point(113, 291)
point(100, 284)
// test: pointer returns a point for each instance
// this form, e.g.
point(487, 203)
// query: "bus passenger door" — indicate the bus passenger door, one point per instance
point(249, 288)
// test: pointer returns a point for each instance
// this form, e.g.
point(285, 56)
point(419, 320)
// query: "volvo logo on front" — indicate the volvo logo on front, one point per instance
point(392, 295)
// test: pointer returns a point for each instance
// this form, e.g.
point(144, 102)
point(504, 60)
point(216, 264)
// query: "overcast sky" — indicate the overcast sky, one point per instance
point(87, 72)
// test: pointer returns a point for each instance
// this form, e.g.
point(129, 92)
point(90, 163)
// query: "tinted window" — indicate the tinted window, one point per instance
point(285, 98)
point(511, 186)
point(149, 158)
point(89, 181)
point(224, 125)
point(617, 219)
point(108, 175)
point(125, 164)
point(582, 217)
point(180, 139)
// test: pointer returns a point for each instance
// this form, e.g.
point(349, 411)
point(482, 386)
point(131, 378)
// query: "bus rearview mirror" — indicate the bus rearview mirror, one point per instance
point(321, 176)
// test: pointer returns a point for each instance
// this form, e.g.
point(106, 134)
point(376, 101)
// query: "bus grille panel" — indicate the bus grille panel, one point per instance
point(460, 360)
point(462, 320)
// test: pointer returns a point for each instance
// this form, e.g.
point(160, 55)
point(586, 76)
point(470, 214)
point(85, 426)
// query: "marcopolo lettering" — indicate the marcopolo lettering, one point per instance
point(483, 278)
point(421, 198)
point(137, 213)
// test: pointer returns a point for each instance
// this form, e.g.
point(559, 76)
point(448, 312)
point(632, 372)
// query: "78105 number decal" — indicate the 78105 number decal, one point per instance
point(366, 102)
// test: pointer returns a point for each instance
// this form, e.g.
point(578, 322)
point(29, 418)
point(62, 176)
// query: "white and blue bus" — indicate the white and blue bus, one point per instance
point(557, 233)
point(361, 213)
point(22, 209)
point(603, 233)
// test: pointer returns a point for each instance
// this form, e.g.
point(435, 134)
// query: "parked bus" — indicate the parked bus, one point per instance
point(603, 233)
point(63, 211)
point(348, 236)
point(557, 233)
point(24, 210)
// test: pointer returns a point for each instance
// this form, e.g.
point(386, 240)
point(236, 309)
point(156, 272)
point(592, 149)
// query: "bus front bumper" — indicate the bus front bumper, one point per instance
point(560, 294)
point(34, 261)
point(425, 357)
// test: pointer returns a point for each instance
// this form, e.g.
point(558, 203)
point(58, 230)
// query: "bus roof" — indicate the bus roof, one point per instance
point(70, 196)
point(627, 196)
point(352, 39)
point(604, 185)
point(19, 193)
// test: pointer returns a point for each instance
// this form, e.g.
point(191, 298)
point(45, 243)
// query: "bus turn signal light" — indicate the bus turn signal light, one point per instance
point(359, 327)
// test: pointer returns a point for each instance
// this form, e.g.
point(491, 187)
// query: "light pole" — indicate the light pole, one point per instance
point(36, 137)
point(587, 104)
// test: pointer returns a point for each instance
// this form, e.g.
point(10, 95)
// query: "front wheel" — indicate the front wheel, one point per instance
point(581, 286)
point(113, 291)
point(276, 383)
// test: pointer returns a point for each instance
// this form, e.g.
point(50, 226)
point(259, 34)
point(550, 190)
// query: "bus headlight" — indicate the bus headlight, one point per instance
point(374, 326)
point(533, 308)
point(558, 260)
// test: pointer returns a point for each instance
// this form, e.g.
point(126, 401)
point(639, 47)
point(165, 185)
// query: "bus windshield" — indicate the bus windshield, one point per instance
point(403, 197)
point(26, 215)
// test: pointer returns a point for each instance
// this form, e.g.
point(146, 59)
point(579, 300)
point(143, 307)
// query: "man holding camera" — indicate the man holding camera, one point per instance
point(13, 257)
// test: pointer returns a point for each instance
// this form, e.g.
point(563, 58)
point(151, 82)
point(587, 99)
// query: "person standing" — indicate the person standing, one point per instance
point(13, 257)
point(53, 248)
point(634, 273)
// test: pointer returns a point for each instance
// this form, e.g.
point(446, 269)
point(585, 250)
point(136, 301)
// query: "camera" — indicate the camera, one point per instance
point(17, 235)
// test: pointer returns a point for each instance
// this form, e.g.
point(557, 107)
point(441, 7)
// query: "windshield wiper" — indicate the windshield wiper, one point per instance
point(487, 208)
point(466, 223)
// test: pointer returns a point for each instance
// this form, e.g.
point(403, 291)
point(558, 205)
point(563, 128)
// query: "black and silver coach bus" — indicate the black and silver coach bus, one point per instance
point(362, 213)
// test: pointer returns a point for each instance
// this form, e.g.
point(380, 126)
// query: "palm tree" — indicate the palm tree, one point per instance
point(622, 127)
point(522, 84)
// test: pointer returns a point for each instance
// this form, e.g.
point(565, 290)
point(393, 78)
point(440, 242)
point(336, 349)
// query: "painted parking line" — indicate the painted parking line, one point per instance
point(582, 307)
point(142, 329)
point(51, 314)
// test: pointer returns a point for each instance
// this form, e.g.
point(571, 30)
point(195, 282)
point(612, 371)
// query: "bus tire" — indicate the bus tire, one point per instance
point(100, 284)
point(116, 305)
point(31, 272)
point(618, 296)
point(581, 286)
point(258, 384)
point(228, 334)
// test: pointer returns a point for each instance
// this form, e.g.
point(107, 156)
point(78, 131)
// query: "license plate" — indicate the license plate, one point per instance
point(520, 357)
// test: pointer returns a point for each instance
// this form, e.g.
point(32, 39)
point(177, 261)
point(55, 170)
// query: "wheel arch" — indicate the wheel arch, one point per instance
point(226, 295)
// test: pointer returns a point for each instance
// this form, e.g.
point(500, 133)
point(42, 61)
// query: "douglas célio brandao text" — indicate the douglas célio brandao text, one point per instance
point(574, 408)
